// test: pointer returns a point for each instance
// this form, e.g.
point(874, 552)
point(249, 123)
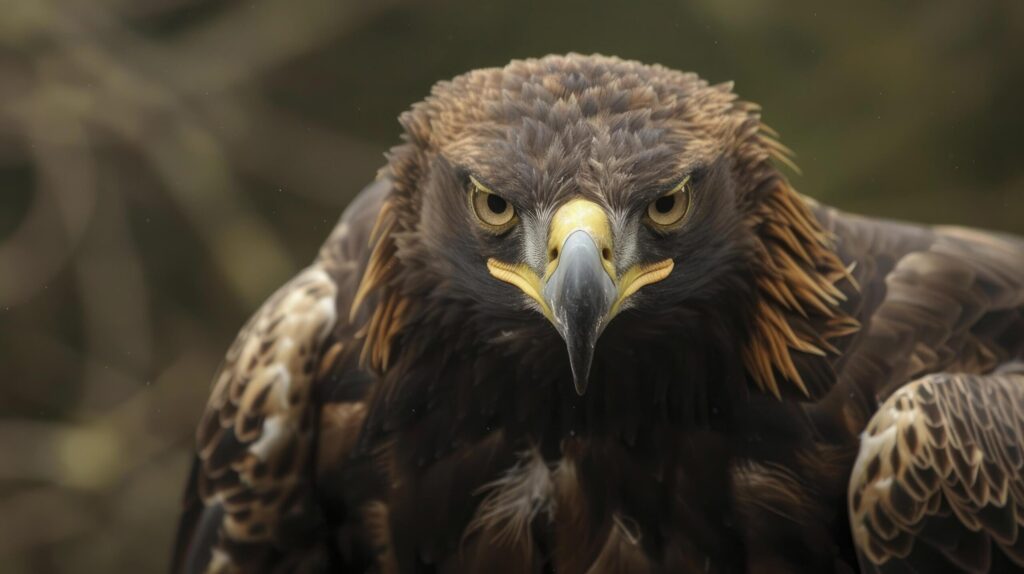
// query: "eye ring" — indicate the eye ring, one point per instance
point(493, 212)
point(669, 209)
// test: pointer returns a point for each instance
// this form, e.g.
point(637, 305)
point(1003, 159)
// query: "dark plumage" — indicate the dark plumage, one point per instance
point(582, 323)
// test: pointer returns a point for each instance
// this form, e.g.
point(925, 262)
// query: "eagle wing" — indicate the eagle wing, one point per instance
point(940, 476)
point(938, 480)
point(250, 500)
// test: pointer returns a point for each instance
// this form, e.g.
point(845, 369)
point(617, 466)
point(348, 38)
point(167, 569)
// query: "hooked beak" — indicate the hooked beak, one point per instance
point(580, 292)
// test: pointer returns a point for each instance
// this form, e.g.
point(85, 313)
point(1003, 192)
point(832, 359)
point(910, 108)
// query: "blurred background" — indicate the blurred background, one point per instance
point(165, 164)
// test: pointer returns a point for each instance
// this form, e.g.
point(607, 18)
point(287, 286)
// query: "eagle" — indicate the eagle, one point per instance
point(581, 322)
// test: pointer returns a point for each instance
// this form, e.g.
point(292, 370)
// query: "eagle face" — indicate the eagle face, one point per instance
point(571, 192)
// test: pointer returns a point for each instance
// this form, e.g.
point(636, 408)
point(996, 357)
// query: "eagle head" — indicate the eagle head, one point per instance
point(576, 191)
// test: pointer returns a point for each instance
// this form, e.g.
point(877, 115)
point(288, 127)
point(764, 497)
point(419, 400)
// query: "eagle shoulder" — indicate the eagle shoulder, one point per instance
point(929, 300)
point(281, 383)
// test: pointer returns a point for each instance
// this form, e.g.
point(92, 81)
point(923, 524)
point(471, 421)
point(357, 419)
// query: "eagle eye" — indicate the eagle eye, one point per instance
point(670, 208)
point(492, 211)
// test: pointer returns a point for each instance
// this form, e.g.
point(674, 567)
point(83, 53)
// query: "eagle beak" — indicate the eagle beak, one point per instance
point(580, 291)
point(580, 294)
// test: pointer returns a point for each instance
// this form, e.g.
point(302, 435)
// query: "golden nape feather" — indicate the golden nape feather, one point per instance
point(440, 394)
point(798, 285)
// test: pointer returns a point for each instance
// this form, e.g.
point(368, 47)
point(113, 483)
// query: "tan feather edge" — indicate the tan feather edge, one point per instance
point(377, 519)
point(939, 444)
point(387, 316)
point(801, 270)
point(261, 394)
point(512, 501)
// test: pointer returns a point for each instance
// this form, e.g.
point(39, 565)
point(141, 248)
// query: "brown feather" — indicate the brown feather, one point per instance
point(899, 485)
point(797, 285)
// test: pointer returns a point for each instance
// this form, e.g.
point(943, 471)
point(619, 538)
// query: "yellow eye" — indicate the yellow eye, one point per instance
point(670, 208)
point(493, 211)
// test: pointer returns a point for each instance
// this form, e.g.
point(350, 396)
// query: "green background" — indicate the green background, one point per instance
point(165, 164)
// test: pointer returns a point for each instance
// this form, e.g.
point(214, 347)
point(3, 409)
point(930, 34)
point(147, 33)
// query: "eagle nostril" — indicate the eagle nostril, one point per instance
point(553, 254)
point(606, 254)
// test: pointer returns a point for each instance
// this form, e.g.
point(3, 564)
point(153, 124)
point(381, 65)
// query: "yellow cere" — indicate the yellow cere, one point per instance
point(580, 214)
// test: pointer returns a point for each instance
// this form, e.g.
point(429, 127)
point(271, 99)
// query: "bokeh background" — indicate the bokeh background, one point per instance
point(165, 164)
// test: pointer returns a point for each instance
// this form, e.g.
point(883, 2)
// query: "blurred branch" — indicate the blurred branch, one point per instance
point(254, 38)
point(41, 516)
point(144, 94)
point(95, 453)
point(313, 169)
point(115, 304)
point(60, 211)
point(84, 92)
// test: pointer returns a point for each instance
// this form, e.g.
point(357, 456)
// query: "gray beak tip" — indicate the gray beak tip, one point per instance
point(580, 384)
point(580, 361)
point(580, 294)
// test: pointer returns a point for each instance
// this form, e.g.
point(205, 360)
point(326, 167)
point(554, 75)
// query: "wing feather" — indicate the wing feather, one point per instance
point(249, 497)
point(938, 480)
point(931, 300)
